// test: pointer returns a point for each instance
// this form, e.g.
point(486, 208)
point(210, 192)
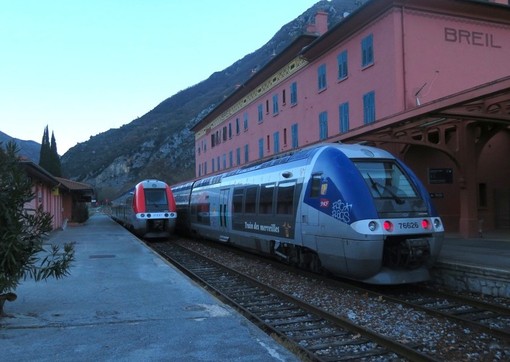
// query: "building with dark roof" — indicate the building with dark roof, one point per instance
point(55, 195)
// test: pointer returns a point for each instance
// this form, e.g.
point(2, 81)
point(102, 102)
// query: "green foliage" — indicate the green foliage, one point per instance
point(49, 158)
point(23, 253)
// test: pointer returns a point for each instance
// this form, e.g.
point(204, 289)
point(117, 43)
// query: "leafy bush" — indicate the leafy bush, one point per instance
point(22, 251)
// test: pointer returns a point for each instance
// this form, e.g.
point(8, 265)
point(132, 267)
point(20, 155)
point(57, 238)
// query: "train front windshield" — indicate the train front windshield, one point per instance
point(155, 200)
point(386, 180)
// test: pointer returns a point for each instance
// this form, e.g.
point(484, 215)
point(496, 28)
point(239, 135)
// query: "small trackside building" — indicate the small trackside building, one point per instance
point(55, 195)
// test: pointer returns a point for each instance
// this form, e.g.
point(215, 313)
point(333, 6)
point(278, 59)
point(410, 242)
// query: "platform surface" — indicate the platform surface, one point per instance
point(491, 251)
point(122, 302)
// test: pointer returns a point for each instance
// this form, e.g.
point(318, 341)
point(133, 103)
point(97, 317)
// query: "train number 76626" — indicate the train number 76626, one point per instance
point(408, 225)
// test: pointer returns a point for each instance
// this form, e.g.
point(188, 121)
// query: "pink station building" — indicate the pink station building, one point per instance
point(428, 80)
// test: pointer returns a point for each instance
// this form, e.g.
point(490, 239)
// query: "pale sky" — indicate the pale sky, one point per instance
point(82, 67)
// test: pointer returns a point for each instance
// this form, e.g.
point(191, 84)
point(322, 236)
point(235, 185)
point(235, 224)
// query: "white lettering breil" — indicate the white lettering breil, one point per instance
point(475, 38)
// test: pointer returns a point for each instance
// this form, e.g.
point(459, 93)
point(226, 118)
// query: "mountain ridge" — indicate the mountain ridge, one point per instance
point(159, 144)
point(27, 148)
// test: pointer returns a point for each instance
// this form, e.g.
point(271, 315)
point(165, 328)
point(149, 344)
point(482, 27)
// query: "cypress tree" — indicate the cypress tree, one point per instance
point(56, 167)
point(49, 158)
point(44, 155)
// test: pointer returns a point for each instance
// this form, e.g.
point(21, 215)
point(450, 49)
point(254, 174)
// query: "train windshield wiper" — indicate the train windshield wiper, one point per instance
point(376, 185)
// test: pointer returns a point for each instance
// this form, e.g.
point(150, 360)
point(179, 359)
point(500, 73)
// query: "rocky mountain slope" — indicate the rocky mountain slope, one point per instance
point(160, 143)
point(28, 149)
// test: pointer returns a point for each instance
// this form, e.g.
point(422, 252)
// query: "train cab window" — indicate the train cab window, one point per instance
point(386, 180)
point(285, 198)
point(237, 200)
point(155, 197)
point(266, 199)
point(315, 189)
point(250, 202)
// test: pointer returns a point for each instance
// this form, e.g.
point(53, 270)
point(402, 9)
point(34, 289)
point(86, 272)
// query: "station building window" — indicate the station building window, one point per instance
point(245, 119)
point(246, 153)
point(323, 125)
point(343, 111)
point(321, 77)
point(367, 51)
point(261, 147)
point(342, 65)
point(369, 107)
point(295, 139)
point(293, 94)
point(275, 104)
point(260, 111)
point(276, 142)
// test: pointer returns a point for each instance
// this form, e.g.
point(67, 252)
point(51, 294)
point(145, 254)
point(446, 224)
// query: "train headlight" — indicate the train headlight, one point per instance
point(148, 215)
point(437, 223)
point(142, 215)
point(166, 214)
point(372, 226)
point(388, 225)
point(425, 224)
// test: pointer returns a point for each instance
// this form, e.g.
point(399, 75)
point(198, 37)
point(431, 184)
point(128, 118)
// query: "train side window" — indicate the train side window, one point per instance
point(285, 198)
point(250, 202)
point(237, 200)
point(266, 199)
point(315, 189)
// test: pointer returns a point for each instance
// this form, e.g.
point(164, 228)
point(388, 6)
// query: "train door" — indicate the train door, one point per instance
point(309, 214)
point(223, 222)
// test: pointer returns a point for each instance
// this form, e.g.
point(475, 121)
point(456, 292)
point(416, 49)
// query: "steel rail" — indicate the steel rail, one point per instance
point(314, 314)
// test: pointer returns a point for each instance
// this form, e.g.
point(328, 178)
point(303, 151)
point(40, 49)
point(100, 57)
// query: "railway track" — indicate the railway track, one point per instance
point(310, 332)
point(483, 316)
point(493, 319)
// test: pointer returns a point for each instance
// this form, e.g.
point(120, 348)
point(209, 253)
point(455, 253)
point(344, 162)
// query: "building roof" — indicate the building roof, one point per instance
point(74, 185)
point(312, 46)
point(273, 66)
point(35, 171)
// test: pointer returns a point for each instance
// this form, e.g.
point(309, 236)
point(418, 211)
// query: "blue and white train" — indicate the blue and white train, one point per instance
point(350, 210)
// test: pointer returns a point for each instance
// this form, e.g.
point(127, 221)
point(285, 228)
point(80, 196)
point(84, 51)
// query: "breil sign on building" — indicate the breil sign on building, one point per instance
point(476, 38)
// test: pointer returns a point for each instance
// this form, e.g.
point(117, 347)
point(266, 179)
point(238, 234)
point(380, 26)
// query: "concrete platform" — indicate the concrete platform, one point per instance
point(124, 303)
point(479, 265)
